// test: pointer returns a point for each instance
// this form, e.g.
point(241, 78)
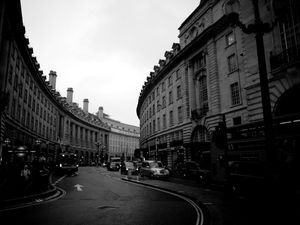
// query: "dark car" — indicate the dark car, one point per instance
point(128, 168)
point(192, 170)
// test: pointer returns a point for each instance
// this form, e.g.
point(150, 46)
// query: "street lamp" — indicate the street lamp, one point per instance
point(259, 29)
point(6, 142)
point(38, 143)
point(98, 146)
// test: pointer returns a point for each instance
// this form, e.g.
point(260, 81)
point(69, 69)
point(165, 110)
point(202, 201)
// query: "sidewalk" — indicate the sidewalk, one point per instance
point(220, 209)
point(12, 194)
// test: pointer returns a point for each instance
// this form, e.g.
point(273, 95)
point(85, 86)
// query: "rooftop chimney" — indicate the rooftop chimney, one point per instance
point(70, 95)
point(86, 105)
point(52, 79)
point(100, 112)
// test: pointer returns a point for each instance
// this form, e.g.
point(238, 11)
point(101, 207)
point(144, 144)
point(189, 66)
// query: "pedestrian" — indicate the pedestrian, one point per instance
point(26, 177)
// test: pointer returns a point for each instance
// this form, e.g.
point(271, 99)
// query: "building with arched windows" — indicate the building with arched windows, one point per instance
point(34, 116)
point(123, 138)
point(211, 77)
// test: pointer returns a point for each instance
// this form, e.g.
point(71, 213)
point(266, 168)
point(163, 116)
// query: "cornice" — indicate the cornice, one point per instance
point(188, 50)
point(18, 34)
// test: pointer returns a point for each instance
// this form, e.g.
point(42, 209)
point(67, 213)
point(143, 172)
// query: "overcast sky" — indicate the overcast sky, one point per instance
point(103, 49)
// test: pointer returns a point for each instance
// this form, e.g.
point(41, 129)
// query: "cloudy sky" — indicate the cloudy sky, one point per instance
point(103, 49)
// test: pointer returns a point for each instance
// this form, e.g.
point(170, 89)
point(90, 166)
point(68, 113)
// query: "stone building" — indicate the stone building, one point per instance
point(123, 138)
point(212, 76)
point(35, 118)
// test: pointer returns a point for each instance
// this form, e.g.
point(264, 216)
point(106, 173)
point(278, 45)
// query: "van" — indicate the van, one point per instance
point(114, 164)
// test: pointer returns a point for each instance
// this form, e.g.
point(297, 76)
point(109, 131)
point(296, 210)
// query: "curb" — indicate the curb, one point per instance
point(206, 212)
point(27, 199)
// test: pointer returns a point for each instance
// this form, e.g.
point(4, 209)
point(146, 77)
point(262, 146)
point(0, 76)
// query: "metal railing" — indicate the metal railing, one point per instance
point(285, 58)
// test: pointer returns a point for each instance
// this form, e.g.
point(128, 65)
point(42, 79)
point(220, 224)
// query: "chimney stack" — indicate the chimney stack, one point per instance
point(52, 79)
point(70, 95)
point(86, 105)
point(100, 112)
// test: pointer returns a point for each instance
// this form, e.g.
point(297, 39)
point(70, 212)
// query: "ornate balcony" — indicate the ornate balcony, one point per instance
point(197, 114)
point(285, 59)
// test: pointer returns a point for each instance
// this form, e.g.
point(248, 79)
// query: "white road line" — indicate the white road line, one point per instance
point(198, 210)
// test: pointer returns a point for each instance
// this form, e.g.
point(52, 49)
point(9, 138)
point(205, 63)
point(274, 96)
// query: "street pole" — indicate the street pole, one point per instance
point(259, 29)
point(265, 94)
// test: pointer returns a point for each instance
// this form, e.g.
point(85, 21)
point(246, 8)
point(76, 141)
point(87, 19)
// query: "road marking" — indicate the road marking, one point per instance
point(199, 220)
point(59, 180)
point(78, 186)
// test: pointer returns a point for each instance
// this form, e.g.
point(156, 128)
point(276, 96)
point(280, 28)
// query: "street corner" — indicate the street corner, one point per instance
point(35, 199)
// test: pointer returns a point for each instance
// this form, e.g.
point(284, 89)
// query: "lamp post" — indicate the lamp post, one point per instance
point(7, 142)
point(259, 29)
point(98, 150)
point(38, 143)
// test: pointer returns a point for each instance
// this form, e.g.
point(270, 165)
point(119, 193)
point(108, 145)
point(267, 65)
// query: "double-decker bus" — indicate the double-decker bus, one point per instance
point(67, 163)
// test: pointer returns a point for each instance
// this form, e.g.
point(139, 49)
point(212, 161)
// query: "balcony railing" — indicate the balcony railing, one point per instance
point(197, 114)
point(286, 58)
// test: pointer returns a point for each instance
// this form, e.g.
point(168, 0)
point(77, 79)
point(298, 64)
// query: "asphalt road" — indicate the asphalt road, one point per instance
point(95, 197)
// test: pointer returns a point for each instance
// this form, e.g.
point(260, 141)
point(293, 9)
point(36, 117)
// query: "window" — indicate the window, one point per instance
point(179, 92)
point(153, 109)
point(153, 124)
point(170, 80)
point(164, 102)
point(203, 90)
point(10, 73)
point(237, 120)
point(158, 124)
point(21, 90)
point(170, 97)
point(23, 116)
point(200, 62)
point(171, 118)
point(235, 94)
point(289, 26)
point(177, 75)
point(29, 101)
point(180, 116)
point(230, 39)
point(164, 121)
point(158, 105)
point(232, 65)
point(157, 91)
point(16, 83)
point(33, 105)
point(163, 86)
point(19, 112)
point(25, 96)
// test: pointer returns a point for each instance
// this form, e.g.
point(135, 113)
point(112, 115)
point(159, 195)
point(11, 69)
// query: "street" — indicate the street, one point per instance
point(99, 197)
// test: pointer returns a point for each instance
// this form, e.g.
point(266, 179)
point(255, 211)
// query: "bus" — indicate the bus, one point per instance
point(67, 163)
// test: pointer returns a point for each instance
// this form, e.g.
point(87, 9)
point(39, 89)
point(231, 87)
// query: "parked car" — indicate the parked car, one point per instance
point(192, 170)
point(154, 169)
point(128, 168)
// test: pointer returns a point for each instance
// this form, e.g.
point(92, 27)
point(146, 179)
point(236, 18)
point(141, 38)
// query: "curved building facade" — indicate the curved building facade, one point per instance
point(211, 77)
point(123, 138)
point(35, 118)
